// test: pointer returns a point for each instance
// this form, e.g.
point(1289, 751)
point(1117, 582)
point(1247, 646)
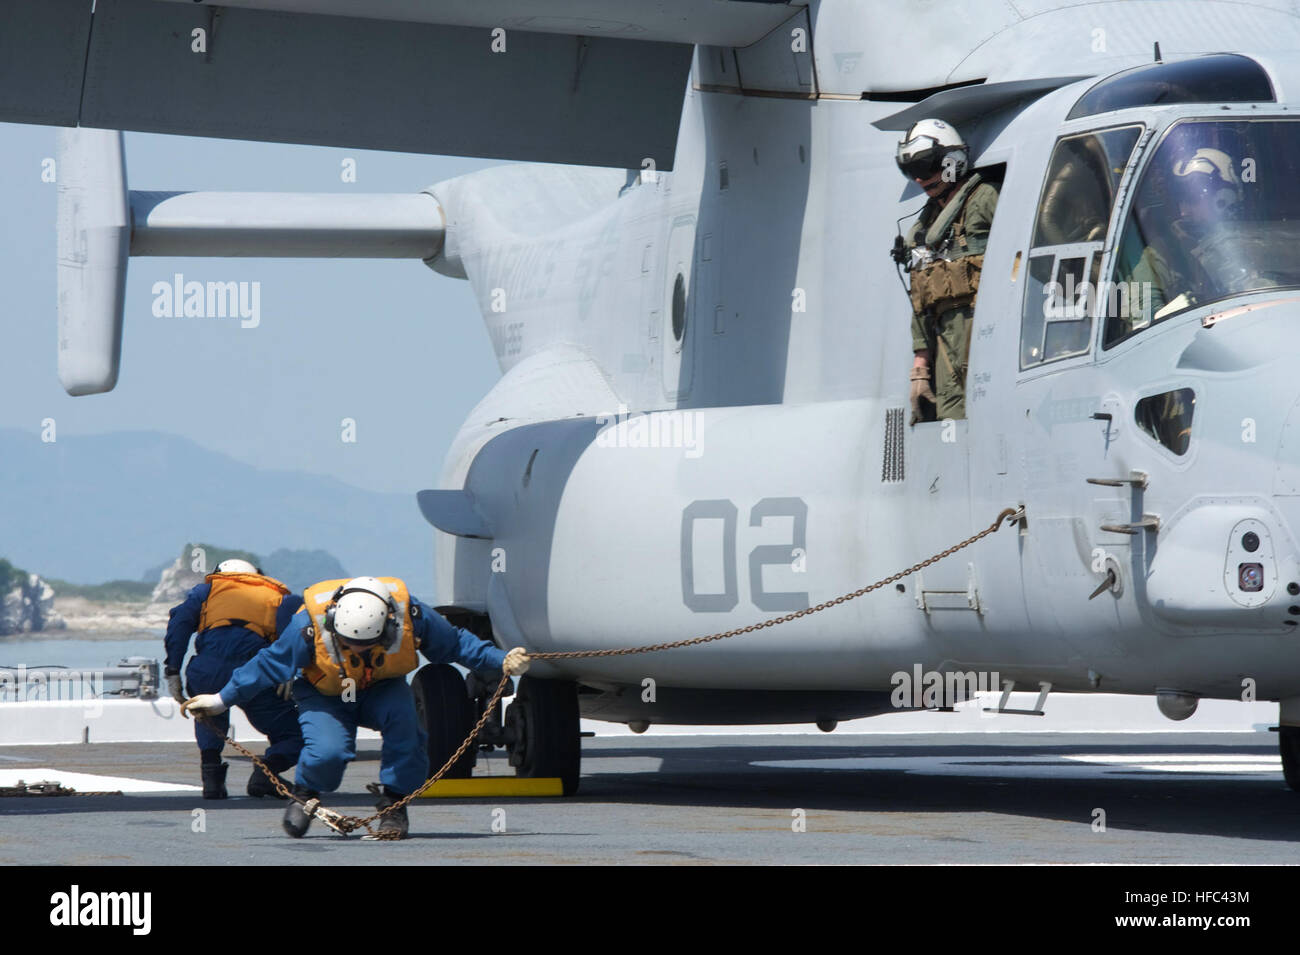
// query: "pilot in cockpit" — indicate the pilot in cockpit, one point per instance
point(1193, 260)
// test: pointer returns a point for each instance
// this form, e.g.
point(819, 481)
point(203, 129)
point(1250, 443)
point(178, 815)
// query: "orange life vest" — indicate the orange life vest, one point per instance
point(335, 662)
point(242, 600)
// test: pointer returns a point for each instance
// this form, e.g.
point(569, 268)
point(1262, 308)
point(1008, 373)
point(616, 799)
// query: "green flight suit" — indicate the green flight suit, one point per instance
point(947, 334)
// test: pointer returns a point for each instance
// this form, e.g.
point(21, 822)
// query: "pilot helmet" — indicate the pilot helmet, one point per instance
point(1208, 175)
point(926, 147)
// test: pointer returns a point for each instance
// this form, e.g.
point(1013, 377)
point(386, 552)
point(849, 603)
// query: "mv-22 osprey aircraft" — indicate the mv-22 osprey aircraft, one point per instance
point(702, 417)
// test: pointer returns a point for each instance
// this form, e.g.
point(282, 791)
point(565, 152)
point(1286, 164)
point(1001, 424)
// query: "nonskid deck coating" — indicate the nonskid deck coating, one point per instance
point(1205, 798)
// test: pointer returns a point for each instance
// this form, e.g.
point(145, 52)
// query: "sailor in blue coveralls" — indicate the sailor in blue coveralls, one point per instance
point(236, 611)
point(350, 648)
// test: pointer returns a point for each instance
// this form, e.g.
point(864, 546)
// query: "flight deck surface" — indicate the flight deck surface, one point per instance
point(900, 799)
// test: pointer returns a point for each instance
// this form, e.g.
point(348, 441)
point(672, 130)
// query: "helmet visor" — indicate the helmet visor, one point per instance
point(921, 158)
point(1199, 188)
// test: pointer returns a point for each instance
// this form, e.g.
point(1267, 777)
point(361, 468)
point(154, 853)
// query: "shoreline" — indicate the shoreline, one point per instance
point(85, 619)
point(92, 635)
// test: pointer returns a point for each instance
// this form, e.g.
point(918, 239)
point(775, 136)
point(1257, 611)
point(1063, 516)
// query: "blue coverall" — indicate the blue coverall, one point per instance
point(218, 652)
point(329, 725)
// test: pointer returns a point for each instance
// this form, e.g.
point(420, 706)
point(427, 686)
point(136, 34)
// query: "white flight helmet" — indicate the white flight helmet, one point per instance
point(927, 146)
point(1209, 173)
point(363, 611)
point(236, 566)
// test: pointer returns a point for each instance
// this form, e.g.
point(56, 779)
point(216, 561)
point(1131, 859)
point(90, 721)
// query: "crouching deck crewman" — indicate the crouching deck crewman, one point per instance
point(235, 612)
point(354, 642)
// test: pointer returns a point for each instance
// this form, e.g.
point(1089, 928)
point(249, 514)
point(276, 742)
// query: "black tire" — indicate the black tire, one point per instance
point(447, 714)
point(1288, 738)
point(547, 725)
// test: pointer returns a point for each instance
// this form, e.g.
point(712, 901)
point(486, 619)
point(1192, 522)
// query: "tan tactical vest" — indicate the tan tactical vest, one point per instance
point(947, 283)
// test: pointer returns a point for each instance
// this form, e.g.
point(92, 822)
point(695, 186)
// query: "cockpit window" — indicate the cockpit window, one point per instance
point(1217, 78)
point(1069, 234)
point(1217, 214)
point(1081, 184)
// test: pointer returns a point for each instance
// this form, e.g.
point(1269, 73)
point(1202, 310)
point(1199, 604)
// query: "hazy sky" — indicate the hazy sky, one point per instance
point(391, 344)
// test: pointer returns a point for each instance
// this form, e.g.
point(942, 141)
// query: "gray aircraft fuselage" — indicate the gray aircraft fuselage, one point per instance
point(762, 463)
point(702, 419)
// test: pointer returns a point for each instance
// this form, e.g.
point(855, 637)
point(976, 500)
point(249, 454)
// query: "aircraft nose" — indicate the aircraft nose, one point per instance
point(1226, 563)
point(1242, 335)
point(1228, 546)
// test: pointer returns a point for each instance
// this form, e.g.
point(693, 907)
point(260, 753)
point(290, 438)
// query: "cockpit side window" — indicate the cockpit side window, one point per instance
point(1069, 234)
point(1167, 417)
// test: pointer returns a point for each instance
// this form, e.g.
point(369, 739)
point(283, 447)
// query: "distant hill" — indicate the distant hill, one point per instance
point(299, 569)
point(92, 508)
point(113, 591)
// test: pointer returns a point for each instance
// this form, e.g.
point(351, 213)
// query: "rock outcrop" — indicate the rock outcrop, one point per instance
point(176, 581)
point(28, 607)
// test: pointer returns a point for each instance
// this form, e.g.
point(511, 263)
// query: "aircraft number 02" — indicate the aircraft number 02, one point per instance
point(761, 556)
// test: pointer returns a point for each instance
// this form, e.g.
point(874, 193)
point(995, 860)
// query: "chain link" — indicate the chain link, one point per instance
point(347, 824)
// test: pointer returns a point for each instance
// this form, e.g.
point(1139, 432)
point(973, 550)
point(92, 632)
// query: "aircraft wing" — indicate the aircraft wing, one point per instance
point(596, 82)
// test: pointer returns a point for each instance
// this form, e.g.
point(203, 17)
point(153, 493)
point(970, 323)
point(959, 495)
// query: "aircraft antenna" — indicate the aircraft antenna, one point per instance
point(1158, 60)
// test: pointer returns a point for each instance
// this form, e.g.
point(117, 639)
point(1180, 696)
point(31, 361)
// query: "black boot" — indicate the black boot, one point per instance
point(295, 820)
point(259, 784)
point(214, 774)
point(395, 821)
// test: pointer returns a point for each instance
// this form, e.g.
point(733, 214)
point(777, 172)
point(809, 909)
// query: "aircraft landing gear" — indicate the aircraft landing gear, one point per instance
point(1288, 738)
point(541, 730)
point(447, 714)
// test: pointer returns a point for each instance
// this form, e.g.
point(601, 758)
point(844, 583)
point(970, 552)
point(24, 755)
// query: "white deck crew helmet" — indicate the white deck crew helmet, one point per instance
point(928, 146)
point(362, 611)
point(236, 566)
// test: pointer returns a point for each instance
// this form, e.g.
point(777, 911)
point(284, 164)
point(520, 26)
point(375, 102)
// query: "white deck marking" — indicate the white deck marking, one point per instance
point(87, 782)
point(1190, 762)
point(1082, 766)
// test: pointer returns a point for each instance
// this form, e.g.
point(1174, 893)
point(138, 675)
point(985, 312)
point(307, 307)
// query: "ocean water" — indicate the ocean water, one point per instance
point(79, 651)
